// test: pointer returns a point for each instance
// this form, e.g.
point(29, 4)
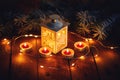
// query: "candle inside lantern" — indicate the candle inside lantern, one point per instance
point(45, 50)
point(25, 45)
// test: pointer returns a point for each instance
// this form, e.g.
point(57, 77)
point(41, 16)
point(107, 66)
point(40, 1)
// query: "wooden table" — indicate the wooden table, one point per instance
point(31, 66)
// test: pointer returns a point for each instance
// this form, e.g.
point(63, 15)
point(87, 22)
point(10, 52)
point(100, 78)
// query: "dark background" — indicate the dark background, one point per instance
point(107, 8)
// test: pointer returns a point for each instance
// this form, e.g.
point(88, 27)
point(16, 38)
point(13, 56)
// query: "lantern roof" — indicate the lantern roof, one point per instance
point(54, 22)
point(55, 25)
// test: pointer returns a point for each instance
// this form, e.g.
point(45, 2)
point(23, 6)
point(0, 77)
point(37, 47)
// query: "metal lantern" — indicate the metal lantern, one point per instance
point(54, 34)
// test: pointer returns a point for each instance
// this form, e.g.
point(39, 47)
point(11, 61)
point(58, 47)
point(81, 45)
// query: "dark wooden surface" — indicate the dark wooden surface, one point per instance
point(28, 66)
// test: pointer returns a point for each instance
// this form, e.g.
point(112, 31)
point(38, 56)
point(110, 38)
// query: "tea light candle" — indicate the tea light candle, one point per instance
point(68, 53)
point(80, 45)
point(45, 51)
point(25, 46)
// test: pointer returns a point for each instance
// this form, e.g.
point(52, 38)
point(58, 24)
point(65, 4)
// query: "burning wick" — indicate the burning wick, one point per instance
point(80, 45)
point(25, 45)
point(67, 52)
point(45, 50)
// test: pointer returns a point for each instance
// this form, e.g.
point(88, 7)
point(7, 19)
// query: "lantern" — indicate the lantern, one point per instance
point(54, 34)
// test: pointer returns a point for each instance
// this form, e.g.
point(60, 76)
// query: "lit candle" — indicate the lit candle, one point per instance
point(45, 51)
point(25, 47)
point(80, 45)
point(69, 53)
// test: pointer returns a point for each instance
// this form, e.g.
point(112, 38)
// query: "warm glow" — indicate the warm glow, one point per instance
point(90, 40)
point(51, 55)
point(111, 47)
point(35, 36)
point(8, 42)
point(5, 41)
point(98, 59)
point(45, 51)
point(86, 40)
point(20, 53)
point(80, 45)
point(56, 40)
point(41, 66)
point(68, 52)
point(20, 58)
point(73, 64)
point(58, 34)
point(82, 57)
point(26, 35)
point(31, 35)
point(96, 55)
point(25, 47)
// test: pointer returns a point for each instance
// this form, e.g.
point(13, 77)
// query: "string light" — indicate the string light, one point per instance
point(82, 57)
point(41, 66)
point(31, 35)
point(35, 36)
point(73, 64)
point(26, 35)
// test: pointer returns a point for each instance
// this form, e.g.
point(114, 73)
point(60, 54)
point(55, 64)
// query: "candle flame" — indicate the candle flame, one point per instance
point(80, 43)
point(25, 44)
point(67, 50)
point(45, 48)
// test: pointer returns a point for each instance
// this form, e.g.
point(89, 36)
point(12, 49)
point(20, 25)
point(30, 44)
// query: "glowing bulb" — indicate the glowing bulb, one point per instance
point(82, 57)
point(4, 39)
point(35, 36)
point(111, 47)
point(96, 55)
point(8, 42)
point(73, 64)
point(30, 35)
point(41, 66)
point(26, 35)
point(20, 53)
point(90, 39)
point(51, 55)
point(86, 39)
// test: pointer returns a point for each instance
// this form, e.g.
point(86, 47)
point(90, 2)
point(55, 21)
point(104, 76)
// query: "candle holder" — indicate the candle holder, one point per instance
point(45, 51)
point(80, 45)
point(81, 48)
point(68, 53)
point(25, 47)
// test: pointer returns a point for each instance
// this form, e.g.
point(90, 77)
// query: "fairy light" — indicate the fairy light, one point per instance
point(51, 55)
point(96, 55)
point(35, 36)
point(20, 53)
point(111, 47)
point(31, 35)
point(41, 66)
point(73, 64)
point(82, 57)
point(4, 39)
